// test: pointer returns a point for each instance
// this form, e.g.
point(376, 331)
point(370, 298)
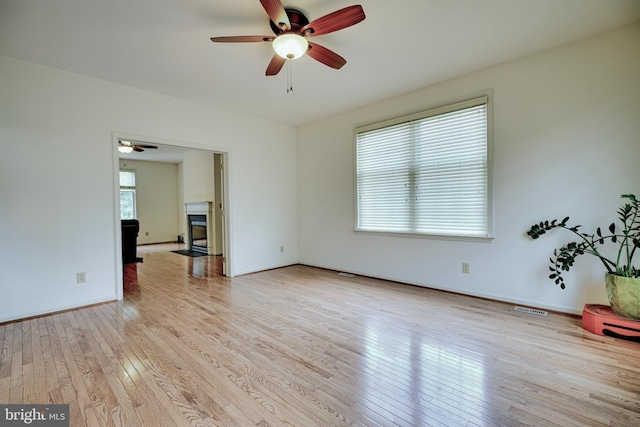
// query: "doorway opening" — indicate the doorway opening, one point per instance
point(201, 177)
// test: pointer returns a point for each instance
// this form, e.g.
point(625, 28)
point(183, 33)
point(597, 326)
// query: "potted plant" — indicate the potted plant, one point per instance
point(622, 278)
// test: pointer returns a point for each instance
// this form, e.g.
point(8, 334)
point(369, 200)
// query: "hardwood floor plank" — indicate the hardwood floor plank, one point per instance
point(15, 394)
point(73, 389)
point(28, 385)
point(50, 368)
point(5, 389)
point(79, 371)
point(7, 352)
point(27, 351)
point(3, 329)
point(151, 411)
point(39, 375)
point(17, 343)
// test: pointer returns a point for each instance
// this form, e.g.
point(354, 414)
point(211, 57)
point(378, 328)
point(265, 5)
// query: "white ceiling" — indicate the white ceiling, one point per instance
point(164, 46)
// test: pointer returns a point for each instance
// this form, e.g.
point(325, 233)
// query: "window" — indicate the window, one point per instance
point(427, 173)
point(127, 195)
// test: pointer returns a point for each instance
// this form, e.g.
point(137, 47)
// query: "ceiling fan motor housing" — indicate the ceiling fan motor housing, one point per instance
point(296, 19)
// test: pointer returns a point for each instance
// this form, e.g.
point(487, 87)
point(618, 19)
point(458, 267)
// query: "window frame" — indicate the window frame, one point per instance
point(129, 188)
point(485, 97)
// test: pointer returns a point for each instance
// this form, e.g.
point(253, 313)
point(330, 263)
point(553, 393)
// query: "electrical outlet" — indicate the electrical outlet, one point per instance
point(465, 268)
point(81, 277)
point(281, 249)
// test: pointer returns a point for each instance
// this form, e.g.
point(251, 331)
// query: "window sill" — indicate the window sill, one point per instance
point(451, 237)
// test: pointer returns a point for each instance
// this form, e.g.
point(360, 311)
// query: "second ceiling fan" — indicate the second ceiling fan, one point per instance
point(292, 30)
point(128, 146)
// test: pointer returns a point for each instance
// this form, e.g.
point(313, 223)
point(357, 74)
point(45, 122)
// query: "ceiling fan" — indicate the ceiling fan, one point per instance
point(128, 146)
point(292, 30)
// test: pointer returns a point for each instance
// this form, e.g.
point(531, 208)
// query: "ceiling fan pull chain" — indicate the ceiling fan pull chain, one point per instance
point(289, 76)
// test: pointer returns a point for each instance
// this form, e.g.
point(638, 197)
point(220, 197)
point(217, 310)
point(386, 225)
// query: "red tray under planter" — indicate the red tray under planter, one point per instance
point(601, 320)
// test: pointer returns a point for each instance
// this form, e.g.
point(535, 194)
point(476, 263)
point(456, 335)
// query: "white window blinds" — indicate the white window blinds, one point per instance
point(425, 174)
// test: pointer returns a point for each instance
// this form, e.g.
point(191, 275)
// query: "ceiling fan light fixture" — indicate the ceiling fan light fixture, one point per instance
point(290, 46)
point(125, 147)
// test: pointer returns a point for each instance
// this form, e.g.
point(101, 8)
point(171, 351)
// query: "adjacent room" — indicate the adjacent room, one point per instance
point(354, 213)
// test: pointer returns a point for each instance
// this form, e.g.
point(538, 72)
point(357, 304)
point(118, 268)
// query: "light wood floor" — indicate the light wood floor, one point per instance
point(301, 346)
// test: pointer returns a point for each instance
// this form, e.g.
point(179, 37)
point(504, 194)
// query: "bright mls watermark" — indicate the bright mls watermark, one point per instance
point(34, 415)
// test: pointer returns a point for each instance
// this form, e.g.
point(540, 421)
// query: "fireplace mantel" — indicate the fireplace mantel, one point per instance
point(199, 208)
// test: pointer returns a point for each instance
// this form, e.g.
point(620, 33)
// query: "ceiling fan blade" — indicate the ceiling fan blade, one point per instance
point(326, 56)
point(242, 39)
point(335, 21)
point(276, 64)
point(276, 13)
point(146, 146)
point(138, 149)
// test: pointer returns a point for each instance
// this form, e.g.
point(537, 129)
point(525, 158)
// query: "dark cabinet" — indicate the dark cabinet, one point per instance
point(130, 229)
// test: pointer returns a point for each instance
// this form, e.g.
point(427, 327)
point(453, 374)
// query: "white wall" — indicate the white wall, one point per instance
point(199, 176)
point(566, 142)
point(156, 200)
point(58, 189)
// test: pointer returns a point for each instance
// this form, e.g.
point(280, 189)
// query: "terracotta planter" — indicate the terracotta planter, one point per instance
point(624, 295)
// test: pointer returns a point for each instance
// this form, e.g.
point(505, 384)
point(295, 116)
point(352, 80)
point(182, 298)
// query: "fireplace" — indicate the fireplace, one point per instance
point(200, 227)
point(198, 233)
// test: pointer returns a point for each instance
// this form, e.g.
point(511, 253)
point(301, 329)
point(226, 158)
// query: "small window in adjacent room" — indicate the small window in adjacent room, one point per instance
point(127, 194)
point(427, 173)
